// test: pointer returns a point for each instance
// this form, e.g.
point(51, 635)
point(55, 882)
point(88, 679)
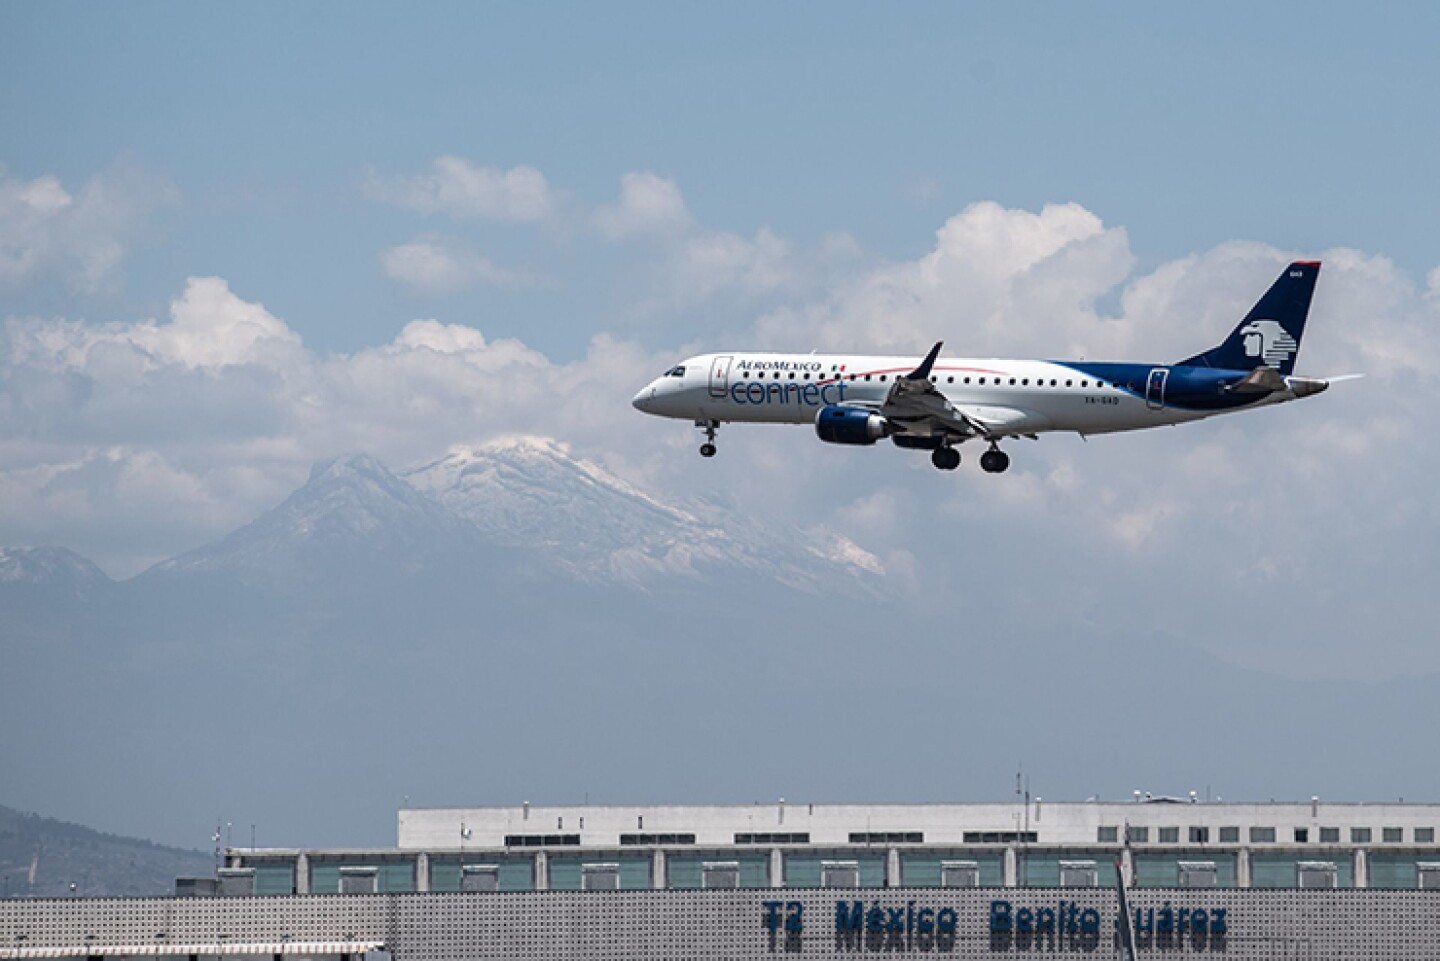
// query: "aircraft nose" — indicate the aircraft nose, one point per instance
point(644, 401)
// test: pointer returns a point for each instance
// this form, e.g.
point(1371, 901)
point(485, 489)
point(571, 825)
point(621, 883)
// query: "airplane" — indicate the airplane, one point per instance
point(936, 404)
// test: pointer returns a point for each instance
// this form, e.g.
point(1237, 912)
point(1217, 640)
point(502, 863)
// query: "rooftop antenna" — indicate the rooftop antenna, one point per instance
point(216, 838)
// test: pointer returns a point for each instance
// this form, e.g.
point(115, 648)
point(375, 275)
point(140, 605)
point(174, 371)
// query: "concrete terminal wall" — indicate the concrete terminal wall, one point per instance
point(672, 925)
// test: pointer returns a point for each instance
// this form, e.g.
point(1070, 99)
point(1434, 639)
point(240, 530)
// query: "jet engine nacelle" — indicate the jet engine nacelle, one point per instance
point(850, 425)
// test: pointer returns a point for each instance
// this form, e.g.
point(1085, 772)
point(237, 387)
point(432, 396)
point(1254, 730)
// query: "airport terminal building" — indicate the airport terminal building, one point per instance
point(1028, 879)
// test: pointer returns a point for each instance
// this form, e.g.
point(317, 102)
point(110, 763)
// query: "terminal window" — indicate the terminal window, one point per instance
point(1077, 874)
point(1315, 874)
point(540, 840)
point(840, 874)
point(1302, 835)
point(887, 837)
point(599, 877)
point(1424, 835)
point(959, 874)
point(800, 837)
point(1360, 835)
point(1262, 835)
point(1392, 835)
point(480, 877)
point(1199, 835)
point(720, 874)
point(1229, 835)
point(1169, 835)
point(357, 880)
point(1000, 837)
point(1138, 835)
point(657, 839)
point(1329, 835)
point(1196, 874)
point(1107, 835)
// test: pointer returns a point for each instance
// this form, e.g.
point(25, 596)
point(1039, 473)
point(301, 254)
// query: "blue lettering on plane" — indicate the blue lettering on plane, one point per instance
point(788, 392)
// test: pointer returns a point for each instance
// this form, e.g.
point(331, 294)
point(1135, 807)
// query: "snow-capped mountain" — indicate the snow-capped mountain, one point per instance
point(351, 511)
point(531, 492)
point(520, 506)
point(49, 566)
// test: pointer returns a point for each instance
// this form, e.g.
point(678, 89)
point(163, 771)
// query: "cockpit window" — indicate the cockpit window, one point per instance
point(677, 371)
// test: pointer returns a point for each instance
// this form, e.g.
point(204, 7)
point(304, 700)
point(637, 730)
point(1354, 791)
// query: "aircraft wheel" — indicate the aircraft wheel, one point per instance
point(707, 450)
point(945, 458)
point(994, 461)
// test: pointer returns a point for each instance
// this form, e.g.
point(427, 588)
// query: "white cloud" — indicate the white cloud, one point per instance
point(713, 262)
point(81, 236)
point(223, 406)
point(209, 327)
point(104, 428)
point(433, 265)
point(462, 190)
point(649, 205)
point(992, 273)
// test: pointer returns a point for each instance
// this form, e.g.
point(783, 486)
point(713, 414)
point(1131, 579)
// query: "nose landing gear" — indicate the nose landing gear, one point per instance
point(707, 449)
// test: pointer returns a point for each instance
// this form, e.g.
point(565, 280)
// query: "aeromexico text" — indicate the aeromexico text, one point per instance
point(917, 926)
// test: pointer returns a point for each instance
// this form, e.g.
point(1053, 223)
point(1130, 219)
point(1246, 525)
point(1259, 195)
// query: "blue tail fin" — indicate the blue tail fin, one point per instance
point(1269, 336)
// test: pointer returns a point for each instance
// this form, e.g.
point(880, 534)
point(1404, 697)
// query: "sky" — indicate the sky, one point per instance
point(238, 239)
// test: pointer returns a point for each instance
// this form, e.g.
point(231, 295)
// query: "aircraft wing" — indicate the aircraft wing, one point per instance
point(1000, 421)
point(916, 406)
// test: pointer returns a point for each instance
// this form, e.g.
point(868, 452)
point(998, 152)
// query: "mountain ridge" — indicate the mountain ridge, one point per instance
point(42, 857)
point(517, 493)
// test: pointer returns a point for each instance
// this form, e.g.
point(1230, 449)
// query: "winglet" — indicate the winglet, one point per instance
point(923, 371)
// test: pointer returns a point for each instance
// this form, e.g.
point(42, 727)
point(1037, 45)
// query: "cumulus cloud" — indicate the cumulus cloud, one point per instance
point(992, 269)
point(433, 265)
point(740, 272)
point(649, 205)
point(724, 261)
point(1262, 524)
point(460, 189)
point(81, 235)
point(222, 391)
point(691, 265)
point(209, 327)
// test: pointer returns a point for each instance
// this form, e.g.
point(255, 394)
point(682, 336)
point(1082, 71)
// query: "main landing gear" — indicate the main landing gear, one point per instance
point(994, 460)
point(707, 449)
point(945, 458)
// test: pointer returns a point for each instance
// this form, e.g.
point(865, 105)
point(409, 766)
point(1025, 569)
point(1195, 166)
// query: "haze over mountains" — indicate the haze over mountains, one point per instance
point(509, 623)
point(41, 857)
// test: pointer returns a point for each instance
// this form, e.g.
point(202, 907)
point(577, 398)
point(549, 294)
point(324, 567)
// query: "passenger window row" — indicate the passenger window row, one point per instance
point(934, 379)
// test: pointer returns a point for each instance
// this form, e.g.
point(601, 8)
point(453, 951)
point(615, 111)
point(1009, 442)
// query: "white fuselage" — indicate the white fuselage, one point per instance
point(1016, 396)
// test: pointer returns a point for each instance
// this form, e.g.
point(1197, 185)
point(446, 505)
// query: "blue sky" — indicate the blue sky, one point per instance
point(1189, 125)
point(238, 239)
